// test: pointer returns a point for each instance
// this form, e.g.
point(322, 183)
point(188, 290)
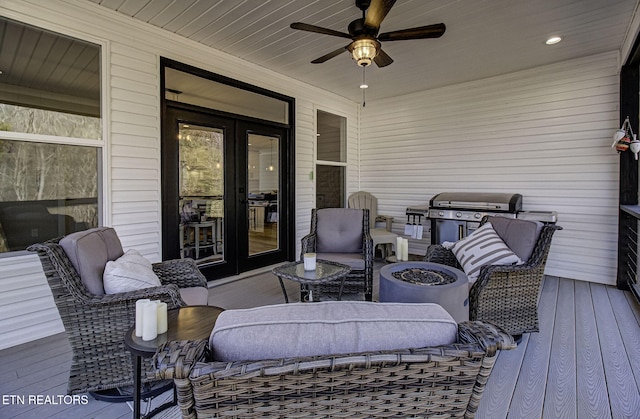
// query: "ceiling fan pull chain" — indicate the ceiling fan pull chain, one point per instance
point(364, 87)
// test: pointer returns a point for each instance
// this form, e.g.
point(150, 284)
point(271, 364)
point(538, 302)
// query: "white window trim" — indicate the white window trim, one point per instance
point(317, 162)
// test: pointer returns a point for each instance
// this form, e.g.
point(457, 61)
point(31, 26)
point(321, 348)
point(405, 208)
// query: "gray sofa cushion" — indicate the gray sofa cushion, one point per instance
point(519, 235)
point(326, 328)
point(339, 230)
point(89, 251)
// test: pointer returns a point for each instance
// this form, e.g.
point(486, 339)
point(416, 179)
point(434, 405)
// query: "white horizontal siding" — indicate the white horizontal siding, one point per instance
point(544, 133)
point(27, 310)
point(135, 148)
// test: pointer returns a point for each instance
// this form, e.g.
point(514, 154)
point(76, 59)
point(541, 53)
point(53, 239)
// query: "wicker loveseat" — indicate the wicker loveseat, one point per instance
point(437, 381)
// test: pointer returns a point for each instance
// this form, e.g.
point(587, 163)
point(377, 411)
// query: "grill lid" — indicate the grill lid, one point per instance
point(505, 202)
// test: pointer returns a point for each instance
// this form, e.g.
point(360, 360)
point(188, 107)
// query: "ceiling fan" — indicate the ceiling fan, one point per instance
point(365, 46)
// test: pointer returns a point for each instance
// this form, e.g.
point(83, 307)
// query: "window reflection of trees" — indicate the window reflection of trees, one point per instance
point(52, 173)
point(201, 163)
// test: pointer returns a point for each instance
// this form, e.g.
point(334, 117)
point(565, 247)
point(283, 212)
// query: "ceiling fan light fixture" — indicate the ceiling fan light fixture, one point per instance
point(364, 50)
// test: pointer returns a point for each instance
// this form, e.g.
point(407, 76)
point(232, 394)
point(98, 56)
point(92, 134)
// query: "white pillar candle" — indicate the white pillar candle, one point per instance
point(162, 318)
point(405, 249)
point(399, 249)
point(309, 260)
point(139, 315)
point(150, 321)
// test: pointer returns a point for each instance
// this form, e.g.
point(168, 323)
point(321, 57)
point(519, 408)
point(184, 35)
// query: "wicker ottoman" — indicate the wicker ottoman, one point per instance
point(426, 282)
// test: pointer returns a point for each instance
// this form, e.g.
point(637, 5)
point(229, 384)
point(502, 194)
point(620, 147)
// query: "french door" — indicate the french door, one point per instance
point(225, 193)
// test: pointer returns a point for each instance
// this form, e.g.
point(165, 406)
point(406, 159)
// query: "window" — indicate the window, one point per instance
point(50, 135)
point(331, 160)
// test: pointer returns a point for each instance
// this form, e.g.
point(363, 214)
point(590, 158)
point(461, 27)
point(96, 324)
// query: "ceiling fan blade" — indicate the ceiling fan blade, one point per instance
point(317, 29)
point(330, 55)
point(382, 59)
point(422, 32)
point(377, 12)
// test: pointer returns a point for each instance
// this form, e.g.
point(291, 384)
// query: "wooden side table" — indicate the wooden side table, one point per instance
point(185, 323)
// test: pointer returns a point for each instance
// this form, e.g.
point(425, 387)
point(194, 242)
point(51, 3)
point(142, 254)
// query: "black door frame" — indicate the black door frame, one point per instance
point(170, 184)
point(169, 174)
point(243, 129)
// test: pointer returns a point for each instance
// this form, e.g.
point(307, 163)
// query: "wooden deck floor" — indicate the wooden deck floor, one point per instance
point(584, 363)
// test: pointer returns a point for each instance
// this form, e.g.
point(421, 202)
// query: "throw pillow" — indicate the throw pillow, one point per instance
point(483, 247)
point(130, 272)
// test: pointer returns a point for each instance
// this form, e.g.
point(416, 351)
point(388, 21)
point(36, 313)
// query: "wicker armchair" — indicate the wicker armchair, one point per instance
point(330, 230)
point(505, 295)
point(440, 381)
point(96, 324)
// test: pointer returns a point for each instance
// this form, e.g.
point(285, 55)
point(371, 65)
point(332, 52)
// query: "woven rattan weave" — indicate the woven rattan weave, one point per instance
point(434, 382)
point(505, 295)
point(96, 324)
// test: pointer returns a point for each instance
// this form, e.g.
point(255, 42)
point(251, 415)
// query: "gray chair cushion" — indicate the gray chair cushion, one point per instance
point(327, 328)
point(339, 230)
point(195, 296)
point(89, 251)
point(353, 260)
point(519, 235)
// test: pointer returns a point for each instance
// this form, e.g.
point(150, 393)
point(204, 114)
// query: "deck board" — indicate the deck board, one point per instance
point(560, 394)
point(529, 394)
point(584, 363)
point(624, 398)
point(592, 398)
point(629, 333)
point(498, 393)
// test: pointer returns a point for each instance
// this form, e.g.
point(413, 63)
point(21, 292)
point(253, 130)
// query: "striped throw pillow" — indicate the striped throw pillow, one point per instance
point(483, 247)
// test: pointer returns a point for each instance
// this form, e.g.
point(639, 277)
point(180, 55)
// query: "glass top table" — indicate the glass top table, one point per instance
point(326, 271)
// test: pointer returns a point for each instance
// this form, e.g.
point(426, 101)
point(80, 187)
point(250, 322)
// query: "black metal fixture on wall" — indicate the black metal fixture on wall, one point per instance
point(627, 273)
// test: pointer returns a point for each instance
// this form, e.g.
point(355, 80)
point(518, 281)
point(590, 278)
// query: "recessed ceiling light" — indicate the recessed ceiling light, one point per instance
point(364, 86)
point(553, 40)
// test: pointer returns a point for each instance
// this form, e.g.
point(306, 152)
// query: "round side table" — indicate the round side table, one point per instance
point(185, 323)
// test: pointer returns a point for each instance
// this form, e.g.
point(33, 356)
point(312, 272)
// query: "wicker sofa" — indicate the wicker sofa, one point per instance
point(437, 381)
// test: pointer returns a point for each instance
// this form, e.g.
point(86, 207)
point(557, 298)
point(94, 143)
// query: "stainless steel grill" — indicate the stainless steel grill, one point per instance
point(455, 215)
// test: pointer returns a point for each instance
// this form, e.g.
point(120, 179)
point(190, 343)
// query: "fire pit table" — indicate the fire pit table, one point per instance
point(426, 282)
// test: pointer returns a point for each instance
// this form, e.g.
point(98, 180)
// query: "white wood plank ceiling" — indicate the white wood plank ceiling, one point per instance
point(484, 38)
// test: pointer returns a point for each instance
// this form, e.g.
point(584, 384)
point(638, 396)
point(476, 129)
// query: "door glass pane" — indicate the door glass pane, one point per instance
point(330, 186)
point(263, 178)
point(201, 198)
